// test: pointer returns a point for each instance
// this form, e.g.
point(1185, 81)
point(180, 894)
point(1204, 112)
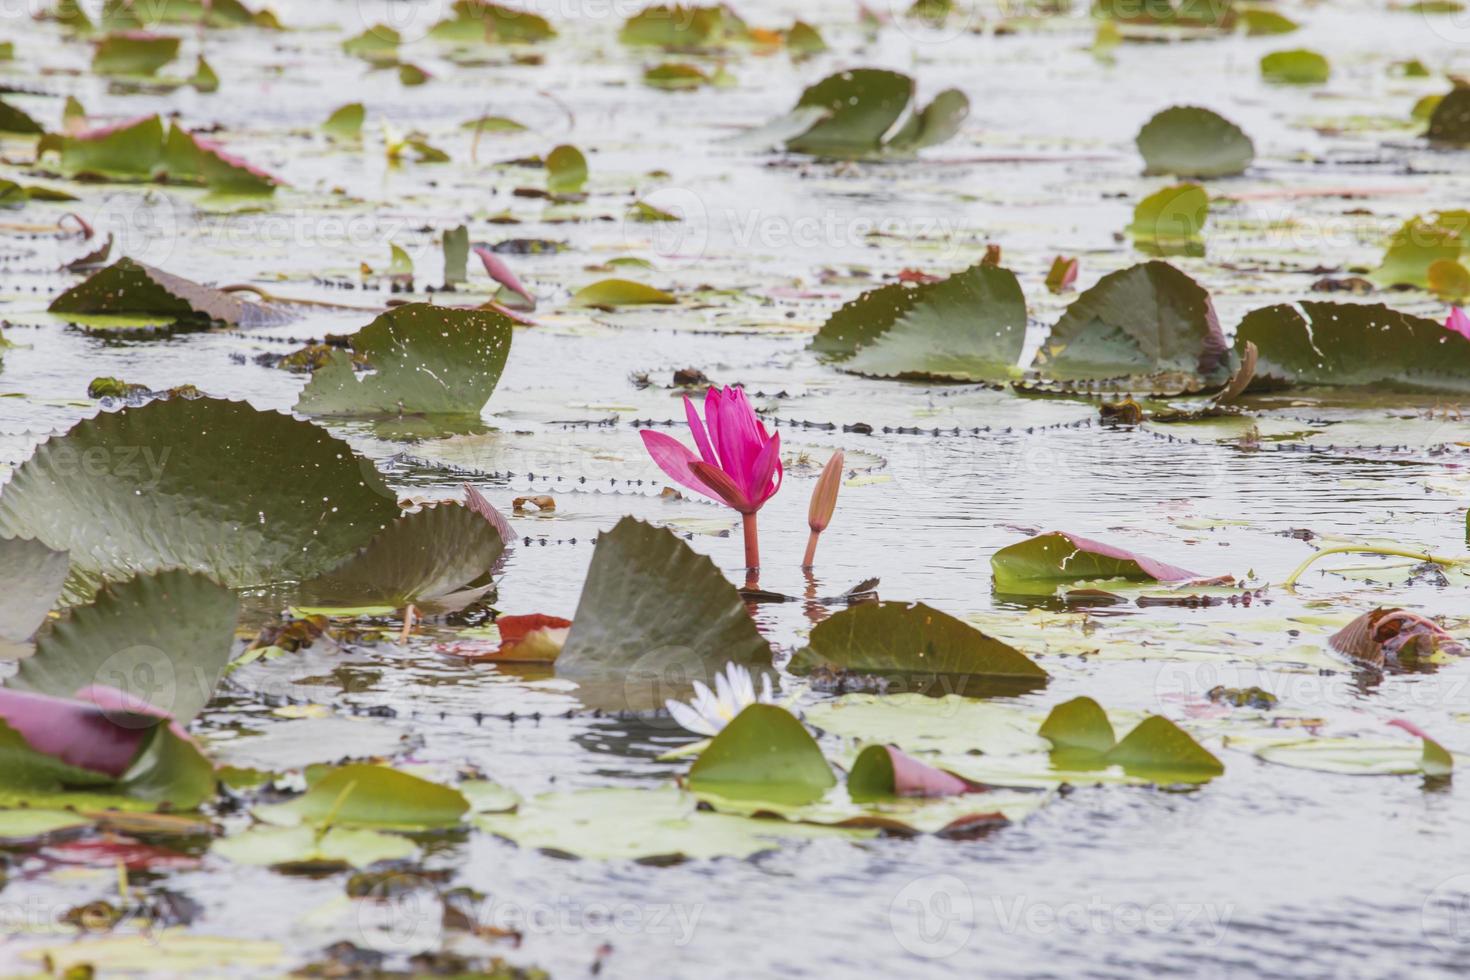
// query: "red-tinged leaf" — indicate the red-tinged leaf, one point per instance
point(109, 851)
point(496, 268)
point(531, 639)
point(884, 772)
point(1383, 634)
point(917, 275)
point(1044, 561)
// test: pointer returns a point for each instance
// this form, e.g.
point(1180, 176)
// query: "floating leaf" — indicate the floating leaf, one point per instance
point(494, 124)
point(1079, 724)
point(190, 159)
point(1354, 755)
point(345, 122)
point(1038, 565)
point(764, 754)
point(245, 496)
point(1259, 21)
point(1140, 321)
point(883, 772)
point(903, 638)
point(656, 826)
point(377, 43)
point(566, 170)
point(951, 725)
point(13, 120)
point(204, 78)
point(128, 286)
point(674, 76)
point(677, 27)
point(1296, 67)
point(1162, 752)
point(1355, 344)
point(134, 53)
point(1450, 121)
point(306, 848)
point(1188, 141)
point(1171, 220)
point(31, 577)
point(1419, 243)
point(162, 639)
point(611, 293)
point(1449, 280)
point(131, 150)
point(866, 111)
point(424, 358)
point(654, 612)
point(371, 796)
point(456, 255)
point(969, 327)
point(480, 20)
point(1062, 274)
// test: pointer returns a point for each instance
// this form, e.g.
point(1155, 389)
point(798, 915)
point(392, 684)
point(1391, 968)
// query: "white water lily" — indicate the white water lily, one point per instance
point(710, 711)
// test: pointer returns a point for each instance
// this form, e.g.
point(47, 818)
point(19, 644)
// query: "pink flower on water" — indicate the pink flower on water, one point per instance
point(739, 463)
point(1458, 322)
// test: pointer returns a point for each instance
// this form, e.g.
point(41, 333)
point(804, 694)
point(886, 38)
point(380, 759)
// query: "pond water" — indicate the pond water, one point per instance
point(1268, 870)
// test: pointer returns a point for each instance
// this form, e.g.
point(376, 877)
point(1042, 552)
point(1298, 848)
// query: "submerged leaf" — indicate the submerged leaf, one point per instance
point(969, 327)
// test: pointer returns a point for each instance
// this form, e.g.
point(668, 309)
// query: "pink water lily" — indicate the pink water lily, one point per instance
point(1458, 322)
point(739, 462)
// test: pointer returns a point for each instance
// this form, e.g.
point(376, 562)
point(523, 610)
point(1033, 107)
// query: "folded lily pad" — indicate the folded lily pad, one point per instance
point(371, 796)
point(1450, 121)
point(425, 359)
point(434, 558)
point(883, 772)
point(189, 159)
point(658, 826)
point(968, 327)
point(866, 112)
point(130, 150)
point(655, 616)
point(134, 53)
point(345, 122)
point(1145, 320)
point(1188, 141)
point(163, 639)
point(31, 579)
point(245, 496)
point(1170, 221)
point(128, 286)
point(1354, 344)
point(608, 294)
point(765, 755)
point(1156, 749)
point(566, 170)
point(912, 639)
point(1038, 565)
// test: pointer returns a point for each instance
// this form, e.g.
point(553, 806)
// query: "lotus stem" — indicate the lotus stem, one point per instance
point(1362, 549)
point(810, 558)
point(752, 547)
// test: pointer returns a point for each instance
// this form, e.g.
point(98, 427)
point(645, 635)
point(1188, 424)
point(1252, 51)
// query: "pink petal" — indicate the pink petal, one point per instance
point(712, 401)
point(767, 464)
point(75, 732)
point(701, 437)
point(501, 273)
point(674, 458)
point(1458, 322)
point(1410, 727)
point(913, 778)
point(724, 488)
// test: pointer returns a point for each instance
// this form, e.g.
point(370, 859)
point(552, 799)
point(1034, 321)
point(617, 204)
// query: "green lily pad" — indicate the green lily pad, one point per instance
point(245, 496)
point(1162, 752)
point(25, 826)
point(655, 826)
point(129, 151)
point(566, 170)
point(1352, 755)
point(1356, 345)
point(764, 754)
point(679, 27)
point(1296, 67)
point(1419, 243)
point(1173, 216)
point(204, 78)
point(379, 43)
point(172, 951)
point(306, 848)
point(674, 76)
point(608, 294)
point(655, 615)
point(968, 327)
point(1145, 320)
point(425, 359)
point(1261, 21)
point(949, 725)
point(371, 796)
point(345, 122)
point(857, 113)
point(130, 287)
point(13, 120)
point(1079, 724)
point(913, 639)
point(1188, 141)
point(1039, 564)
point(134, 54)
point(31, 579)
point(1450, 121)
point(481, 21)
point(164, 639)
point(189, 159)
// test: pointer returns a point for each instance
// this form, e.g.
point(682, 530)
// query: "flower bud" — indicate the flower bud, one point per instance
point(824, 495)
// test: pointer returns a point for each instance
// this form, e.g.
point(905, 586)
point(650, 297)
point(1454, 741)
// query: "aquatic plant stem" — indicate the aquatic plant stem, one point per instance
point(1363, 549)
point(752, 548)
point(810, 558)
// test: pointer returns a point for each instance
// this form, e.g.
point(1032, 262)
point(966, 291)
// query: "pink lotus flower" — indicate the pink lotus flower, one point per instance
point(739, 463)
point(1458, 322)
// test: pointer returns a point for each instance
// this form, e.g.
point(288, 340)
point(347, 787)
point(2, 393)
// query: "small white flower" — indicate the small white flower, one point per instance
point(711, 711)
